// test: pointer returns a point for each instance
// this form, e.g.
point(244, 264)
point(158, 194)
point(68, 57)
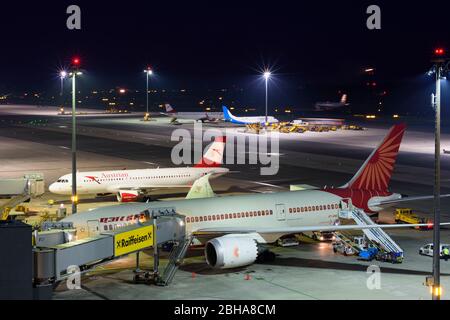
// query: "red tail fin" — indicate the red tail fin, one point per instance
point(214, 155)
point(376, 172)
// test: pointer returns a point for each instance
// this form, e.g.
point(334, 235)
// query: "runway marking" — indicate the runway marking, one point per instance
point(276, 154)
point(268, 185)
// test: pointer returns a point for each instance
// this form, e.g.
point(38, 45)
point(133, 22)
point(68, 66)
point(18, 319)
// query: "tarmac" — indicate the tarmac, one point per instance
point(307, 271)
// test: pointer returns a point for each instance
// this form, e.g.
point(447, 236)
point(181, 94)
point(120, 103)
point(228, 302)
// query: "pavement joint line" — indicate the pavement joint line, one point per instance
point(101, 296)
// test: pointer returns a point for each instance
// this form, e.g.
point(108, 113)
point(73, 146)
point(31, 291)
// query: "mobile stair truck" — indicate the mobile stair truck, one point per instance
point(388, 249)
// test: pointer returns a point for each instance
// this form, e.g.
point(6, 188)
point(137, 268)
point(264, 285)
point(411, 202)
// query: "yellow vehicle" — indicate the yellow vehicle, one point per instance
point(406, 215)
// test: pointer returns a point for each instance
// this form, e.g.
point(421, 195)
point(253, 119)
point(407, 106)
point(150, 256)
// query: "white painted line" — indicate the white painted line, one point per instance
point(268, 185)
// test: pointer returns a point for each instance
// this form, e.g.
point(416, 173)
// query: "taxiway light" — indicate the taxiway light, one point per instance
point(266, 75)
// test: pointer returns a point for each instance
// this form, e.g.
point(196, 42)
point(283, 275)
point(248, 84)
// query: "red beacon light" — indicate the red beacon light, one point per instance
point(439, 51)
point(76, 61)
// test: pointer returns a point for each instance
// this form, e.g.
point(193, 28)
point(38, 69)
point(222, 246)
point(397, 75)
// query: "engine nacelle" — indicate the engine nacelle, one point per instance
point(231, 251)
point(127, 195)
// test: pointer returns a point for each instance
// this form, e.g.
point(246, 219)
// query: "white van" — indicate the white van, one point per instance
point(427, 249)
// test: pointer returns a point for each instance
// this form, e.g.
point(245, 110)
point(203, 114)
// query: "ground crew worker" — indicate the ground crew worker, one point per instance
point(446, 253)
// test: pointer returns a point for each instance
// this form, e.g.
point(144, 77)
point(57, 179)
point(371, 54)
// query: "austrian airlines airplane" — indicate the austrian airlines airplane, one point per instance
point(237, 228)
point(129, 184)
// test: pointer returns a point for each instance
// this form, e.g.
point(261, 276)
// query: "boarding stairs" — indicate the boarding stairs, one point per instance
point(175, 260)
point(346, 241)
point(376, 235)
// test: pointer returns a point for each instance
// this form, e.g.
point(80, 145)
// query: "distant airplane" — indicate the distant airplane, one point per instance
point(246, 120)
point(237, 229)
point(130, 184)
point(327, 106)
point(197, 116)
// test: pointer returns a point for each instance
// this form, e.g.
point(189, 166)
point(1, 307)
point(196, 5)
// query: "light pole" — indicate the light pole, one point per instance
point(62, 76)
point(75, 72)
point(266, 76)
point(149, 72)
point(439, 61)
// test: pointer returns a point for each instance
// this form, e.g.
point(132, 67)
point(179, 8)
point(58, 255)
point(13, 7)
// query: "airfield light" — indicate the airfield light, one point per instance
point(148, 72)
point(122, 90)
point(62, 74)
point(266, 76)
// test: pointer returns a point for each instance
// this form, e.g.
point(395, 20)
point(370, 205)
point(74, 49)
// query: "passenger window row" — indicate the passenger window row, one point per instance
point(226, 216)
point(313, 208)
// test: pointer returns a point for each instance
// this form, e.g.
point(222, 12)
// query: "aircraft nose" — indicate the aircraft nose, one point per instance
point(52, 187)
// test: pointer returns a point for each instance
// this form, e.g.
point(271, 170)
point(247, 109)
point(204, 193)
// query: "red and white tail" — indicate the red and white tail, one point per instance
point(169, 108)
point(344, 99)
point(376, 172)
point(214, 155)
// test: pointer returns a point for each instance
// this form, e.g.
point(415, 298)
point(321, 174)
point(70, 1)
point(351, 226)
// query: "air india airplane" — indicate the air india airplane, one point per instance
point(130, 184)
point(236, 229)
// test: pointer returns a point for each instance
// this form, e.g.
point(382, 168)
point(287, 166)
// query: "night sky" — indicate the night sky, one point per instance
point(213, 44)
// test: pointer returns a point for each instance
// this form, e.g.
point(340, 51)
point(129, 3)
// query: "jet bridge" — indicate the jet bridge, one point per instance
point(19, 191)
point(57, 255)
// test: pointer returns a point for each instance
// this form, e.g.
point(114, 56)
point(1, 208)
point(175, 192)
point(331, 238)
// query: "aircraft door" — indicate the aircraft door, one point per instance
point(93, 228)
point(281, 212)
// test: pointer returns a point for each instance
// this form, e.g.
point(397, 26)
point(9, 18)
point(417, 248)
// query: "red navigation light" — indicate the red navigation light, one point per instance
point(439, 51)
point(76, 61)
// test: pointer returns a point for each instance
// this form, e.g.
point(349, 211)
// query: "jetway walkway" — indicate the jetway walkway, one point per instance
point(57, 255)
point(375, 235)
point(19, 191)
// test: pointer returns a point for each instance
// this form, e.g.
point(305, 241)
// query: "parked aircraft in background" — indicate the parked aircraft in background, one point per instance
point(130, 184)
point(197, 116)
point(246, 120)
point(327, 106)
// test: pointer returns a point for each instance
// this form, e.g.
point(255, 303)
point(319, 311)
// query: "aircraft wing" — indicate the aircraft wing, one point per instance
point(290, 230)
point(405, 199)
point(144, 188)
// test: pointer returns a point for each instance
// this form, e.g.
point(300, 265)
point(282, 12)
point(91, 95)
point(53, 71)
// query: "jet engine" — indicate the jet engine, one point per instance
point(231, 251)
point(127, 195)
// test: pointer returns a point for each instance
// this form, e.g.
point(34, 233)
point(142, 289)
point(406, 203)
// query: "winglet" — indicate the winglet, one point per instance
point(201, 188)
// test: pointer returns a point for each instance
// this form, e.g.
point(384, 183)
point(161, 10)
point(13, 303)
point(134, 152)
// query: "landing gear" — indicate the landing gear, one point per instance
point(147, 199)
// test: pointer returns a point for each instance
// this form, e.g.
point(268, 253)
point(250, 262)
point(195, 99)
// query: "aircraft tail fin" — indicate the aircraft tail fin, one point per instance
point(376, 172)
point(169, 108)
point(227, 114)
point(214, 155)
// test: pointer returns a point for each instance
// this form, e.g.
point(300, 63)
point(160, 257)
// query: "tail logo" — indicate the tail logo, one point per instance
point(376, 173)
point(93, 179)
